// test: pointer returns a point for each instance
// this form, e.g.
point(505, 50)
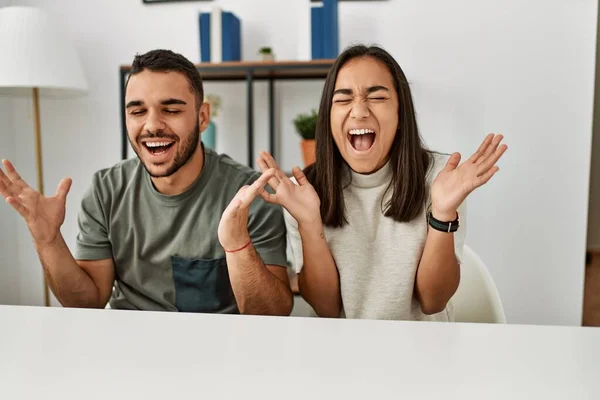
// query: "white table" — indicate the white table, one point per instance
point(56, 353)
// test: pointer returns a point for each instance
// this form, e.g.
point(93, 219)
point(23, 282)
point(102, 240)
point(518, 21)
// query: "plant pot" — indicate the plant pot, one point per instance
point(309, 151)
point(267, 57)
point(209, 136)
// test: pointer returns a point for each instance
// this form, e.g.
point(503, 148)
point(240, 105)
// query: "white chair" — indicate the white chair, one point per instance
point(477, 299)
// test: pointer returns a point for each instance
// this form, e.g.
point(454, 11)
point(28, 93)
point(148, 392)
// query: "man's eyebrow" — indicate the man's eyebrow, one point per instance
point(167, 102)
point(172, 101)
point(134, 103)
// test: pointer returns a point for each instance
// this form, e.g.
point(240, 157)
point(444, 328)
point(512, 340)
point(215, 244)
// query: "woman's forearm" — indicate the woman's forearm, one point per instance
point(319, 281)
point(438, 274)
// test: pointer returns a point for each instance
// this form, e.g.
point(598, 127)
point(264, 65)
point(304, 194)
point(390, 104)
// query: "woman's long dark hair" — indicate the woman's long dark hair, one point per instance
point(409, 160)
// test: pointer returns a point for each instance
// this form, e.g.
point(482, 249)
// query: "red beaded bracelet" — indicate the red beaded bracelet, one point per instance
point(240, 249)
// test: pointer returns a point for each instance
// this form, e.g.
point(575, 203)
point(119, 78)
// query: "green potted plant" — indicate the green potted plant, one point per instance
point(209, 136)
point(306, 126)
point(266, 53)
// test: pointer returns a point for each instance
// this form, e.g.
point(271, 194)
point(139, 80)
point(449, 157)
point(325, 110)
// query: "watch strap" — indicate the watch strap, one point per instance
point(448, 227)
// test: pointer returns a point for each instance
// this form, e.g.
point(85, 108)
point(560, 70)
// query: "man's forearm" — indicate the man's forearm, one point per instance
point(71, 285)
point(438, 274)
point(319, 280)
point(256, 289)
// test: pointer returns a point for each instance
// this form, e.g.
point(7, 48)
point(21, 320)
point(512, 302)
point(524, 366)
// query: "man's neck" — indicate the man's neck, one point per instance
point(180, 181)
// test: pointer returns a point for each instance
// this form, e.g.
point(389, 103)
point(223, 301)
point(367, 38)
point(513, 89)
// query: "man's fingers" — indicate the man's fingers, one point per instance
point(263, 179)
point(4, 179)
point(63, 188)
point(250, 193)
point(17, 205)
point(13, 175)
point(233, 207)
point(4, 191)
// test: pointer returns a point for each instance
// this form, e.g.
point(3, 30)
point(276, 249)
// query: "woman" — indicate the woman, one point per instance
point(376, 225)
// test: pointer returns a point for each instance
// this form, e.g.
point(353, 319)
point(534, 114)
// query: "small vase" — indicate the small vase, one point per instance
point(309, 151)
point(209, 136)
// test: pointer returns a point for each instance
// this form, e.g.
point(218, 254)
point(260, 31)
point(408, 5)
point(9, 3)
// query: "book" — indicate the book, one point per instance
point(317, 33)
point(231, 37)
point(204, 22)
point(220, 36)
point(330, 26)
point(325, 30)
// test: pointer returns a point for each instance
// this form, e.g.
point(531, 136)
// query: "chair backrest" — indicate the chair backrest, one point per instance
point(476, 299)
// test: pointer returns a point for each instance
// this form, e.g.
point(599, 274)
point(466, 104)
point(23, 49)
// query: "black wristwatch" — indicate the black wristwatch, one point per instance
point(441, 226)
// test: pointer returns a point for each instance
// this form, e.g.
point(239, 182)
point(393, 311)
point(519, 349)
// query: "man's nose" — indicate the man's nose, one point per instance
point(154, 122)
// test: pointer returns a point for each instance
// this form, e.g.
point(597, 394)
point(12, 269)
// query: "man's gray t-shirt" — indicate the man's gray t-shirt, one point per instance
point(165, 248)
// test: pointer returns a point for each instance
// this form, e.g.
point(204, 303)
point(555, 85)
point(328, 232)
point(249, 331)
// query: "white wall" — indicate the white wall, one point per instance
point(525, 69)
point(593, 232)
point(9, 265)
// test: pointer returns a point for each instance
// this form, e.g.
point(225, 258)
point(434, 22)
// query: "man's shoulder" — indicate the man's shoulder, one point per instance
point(116, 176)
point(233, 171)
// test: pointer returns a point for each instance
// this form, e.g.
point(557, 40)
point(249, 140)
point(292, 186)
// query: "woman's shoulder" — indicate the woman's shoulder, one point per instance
point(437, 162)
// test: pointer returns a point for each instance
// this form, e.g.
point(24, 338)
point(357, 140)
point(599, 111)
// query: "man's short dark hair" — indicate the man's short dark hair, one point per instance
point(166, 61)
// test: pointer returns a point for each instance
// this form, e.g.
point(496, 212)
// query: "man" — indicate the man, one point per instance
point(179, 228)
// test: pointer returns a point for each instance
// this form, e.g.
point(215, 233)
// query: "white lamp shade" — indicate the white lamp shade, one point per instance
point(34, 53)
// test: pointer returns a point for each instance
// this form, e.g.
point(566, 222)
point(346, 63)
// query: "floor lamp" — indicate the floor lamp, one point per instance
point(37, 60)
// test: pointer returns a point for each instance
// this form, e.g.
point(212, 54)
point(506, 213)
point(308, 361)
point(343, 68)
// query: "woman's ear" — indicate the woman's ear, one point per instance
point(204, 116)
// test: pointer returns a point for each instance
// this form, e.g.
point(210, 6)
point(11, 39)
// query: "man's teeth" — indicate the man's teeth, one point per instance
point(157, 144)
point(360, 131)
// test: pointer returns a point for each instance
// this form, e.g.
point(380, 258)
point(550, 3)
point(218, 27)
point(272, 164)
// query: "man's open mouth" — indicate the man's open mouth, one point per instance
point(158, 147)
point(361, 139)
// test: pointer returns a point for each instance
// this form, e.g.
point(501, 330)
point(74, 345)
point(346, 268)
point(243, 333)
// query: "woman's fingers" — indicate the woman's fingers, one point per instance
point(269, 160)
point(490, 149)
point(262, 164)
point(482, 148)
point(299, 175)
point(491, 160)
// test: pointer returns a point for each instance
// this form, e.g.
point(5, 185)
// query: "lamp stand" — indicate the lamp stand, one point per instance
point(40, 173)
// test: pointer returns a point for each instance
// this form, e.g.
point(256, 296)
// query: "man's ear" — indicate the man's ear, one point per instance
point(204, 116)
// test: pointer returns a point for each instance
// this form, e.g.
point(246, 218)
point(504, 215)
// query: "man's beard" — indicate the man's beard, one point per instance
point(183, 155)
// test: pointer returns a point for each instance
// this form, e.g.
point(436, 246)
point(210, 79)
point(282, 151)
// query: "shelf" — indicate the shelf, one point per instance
point(278, 70)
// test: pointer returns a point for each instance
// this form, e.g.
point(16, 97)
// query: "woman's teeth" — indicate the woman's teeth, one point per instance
point(360, 131)
point(361, 139)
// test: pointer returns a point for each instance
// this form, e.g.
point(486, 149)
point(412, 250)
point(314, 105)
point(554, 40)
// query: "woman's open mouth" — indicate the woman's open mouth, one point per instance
point(361, 139)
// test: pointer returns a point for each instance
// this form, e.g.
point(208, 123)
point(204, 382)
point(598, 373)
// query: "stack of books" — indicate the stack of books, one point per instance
point(220, 36)
point(324, 30)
